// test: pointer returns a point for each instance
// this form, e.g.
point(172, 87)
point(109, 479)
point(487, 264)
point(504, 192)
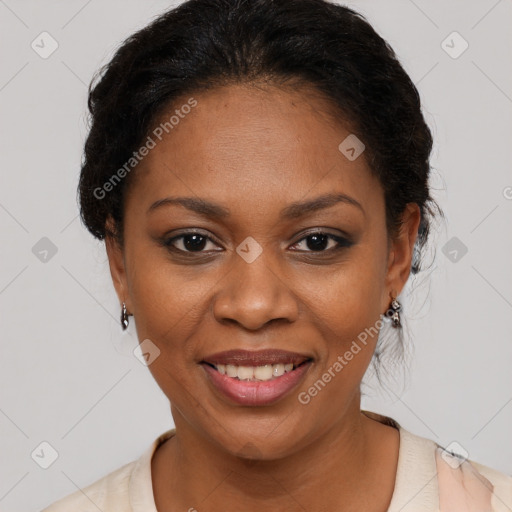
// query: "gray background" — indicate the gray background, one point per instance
point(67, 373)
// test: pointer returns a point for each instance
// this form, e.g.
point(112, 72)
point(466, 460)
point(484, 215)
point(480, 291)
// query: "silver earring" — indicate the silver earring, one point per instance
point(124, 317)
point(393, 312)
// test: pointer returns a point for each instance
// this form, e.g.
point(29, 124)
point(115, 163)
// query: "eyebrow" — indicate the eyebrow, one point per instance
point(292, 211)
point(299, 209)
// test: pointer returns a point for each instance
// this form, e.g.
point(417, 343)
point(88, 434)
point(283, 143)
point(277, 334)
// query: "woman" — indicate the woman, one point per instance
point(259, 173)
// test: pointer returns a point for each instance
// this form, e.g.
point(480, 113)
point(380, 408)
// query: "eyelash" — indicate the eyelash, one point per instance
point(341, 241)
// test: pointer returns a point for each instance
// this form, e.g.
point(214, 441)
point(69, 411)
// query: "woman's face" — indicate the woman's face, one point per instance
point(252, 276)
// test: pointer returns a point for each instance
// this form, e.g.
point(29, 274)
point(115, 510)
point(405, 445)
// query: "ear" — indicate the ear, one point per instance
point(117, 264)
point(401, 251)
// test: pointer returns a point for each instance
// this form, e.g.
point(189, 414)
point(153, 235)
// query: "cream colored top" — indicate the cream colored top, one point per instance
point(428, 478)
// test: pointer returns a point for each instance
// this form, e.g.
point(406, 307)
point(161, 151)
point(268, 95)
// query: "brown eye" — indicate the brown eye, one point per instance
point(189, 242)
point(319, 242)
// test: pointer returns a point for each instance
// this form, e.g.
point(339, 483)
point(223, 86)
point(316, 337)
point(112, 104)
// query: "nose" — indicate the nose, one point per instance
point(254, 294)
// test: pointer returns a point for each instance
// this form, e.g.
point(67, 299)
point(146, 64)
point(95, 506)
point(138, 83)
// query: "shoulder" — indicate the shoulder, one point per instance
point(109, 494)
point(128, 488)
point(430, 477)
point(462, 480)
point(499, 479)
point(501, 485)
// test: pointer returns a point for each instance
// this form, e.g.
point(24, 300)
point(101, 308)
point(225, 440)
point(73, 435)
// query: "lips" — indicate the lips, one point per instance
point(256, 358)
point(236, 374)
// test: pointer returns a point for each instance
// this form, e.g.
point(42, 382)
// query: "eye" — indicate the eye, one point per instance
point(197, 242)
point(319, 242)
point(189, 242)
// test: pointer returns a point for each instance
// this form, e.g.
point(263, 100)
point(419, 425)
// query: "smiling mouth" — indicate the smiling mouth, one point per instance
point(262, 373)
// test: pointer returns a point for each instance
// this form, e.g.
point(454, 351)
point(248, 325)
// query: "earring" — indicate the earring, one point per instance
point(393, 312)
point(124, 317)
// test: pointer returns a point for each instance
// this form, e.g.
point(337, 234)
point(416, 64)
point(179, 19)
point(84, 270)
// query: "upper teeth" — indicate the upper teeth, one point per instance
point(265, 372)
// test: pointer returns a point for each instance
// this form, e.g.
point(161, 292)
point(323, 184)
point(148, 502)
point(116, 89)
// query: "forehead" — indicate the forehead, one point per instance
point(251, 145)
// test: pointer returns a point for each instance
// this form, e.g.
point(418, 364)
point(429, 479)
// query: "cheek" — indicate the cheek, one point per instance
point(348, 317)
point(169, 301)
point(350, 297)
point(348, 312)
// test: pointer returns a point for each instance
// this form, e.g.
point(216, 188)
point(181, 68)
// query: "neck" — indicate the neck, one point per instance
point(191, 471)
